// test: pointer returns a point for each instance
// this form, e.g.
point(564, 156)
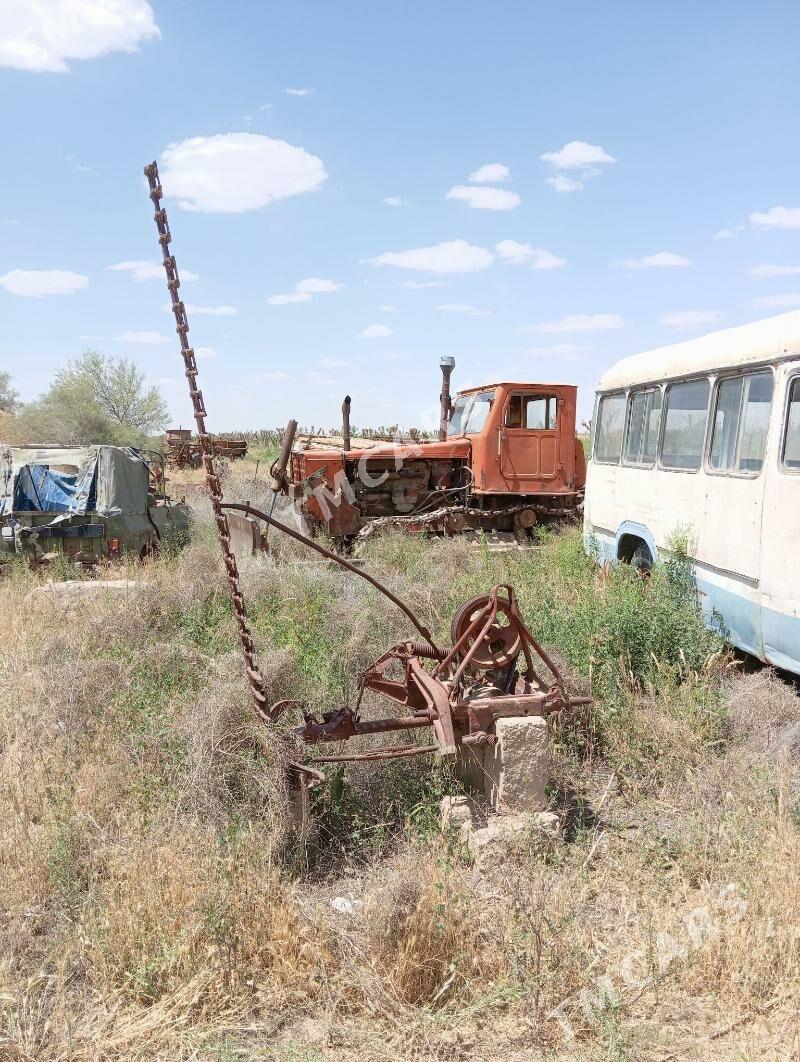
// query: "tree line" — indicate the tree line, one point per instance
point(94, 399)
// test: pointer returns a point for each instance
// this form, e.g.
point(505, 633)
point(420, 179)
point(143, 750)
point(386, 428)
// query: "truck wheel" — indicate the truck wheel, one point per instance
point(642, 561)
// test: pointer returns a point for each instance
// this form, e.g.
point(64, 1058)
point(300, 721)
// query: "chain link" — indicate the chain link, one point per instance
point(254, 675)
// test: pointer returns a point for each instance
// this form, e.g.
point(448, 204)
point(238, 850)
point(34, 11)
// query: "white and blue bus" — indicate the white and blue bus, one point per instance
point(703, 438)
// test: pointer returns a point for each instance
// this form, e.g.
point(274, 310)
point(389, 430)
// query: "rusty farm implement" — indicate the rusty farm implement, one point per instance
point(492, 669)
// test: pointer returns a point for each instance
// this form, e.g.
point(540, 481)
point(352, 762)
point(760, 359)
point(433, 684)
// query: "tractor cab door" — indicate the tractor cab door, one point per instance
point(529, 440)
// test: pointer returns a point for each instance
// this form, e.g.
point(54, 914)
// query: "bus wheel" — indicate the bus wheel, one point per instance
point(642, 561)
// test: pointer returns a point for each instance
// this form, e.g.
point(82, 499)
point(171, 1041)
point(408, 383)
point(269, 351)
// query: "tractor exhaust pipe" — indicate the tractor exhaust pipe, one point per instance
point(346, 423)
point(446, 364)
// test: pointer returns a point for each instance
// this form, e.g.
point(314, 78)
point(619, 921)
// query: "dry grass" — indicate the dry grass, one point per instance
point(157, 902)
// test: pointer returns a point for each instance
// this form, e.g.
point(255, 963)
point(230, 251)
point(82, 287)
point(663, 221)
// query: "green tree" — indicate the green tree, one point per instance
point(8, 396)
point(96, 399)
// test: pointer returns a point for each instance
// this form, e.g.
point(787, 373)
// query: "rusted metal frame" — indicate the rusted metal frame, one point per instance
point(398, 752)
point(491, 611)
point(250, 510)
point(439, 702)
point(529, 641)
point(278, 467)
point(254, 675)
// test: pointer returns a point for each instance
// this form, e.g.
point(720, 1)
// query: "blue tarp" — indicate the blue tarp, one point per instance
point(109, 480)
point(42, 489)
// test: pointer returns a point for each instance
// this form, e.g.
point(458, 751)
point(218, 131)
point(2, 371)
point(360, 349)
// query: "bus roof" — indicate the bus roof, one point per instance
point(746, 345)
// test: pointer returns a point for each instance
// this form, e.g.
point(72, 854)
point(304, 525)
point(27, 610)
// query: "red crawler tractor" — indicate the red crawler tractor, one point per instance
point(507, 458)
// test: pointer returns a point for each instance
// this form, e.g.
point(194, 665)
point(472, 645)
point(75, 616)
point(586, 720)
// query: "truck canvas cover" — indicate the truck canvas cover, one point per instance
point(108, 480)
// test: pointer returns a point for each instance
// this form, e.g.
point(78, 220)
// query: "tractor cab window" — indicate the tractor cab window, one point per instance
point(532, 412)
point(469, 413)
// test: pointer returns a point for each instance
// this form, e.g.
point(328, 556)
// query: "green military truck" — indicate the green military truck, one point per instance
point(87, 502)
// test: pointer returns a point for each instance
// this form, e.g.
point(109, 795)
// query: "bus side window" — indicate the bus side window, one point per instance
point(610, 428)
point(741, 421)
point(644, 420)
point(685, 419)
point(791, 440)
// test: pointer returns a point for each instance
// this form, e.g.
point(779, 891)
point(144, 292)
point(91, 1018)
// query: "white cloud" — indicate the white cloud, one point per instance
point(141, 271)
point(728, 233)
point(564, 184)
point(483, 197)
point(387, 309)
point(333, 363)
point(36, 283)
point(452, 256)
point(45, 36)
point(775, 271)
point(579, 322)
point(289, 298)
point(546, 260)
point(785, 301)
point(463, 308)
point(491, 173)
point(661, 260)
point(316, 285)
point(10, 221)
point(147, 338)
point(205, 352)
point(304, 291)
point(686, 319)
point(778, 217)
point(297, 92)
point(375, 331)
point(233, 172)
point(319, 379)
point(424, 284)
point(577, 155)
point(515, 253)
point(395, 201)
point(208, 311)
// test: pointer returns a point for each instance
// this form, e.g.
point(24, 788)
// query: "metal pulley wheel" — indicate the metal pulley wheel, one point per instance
point(502, 642)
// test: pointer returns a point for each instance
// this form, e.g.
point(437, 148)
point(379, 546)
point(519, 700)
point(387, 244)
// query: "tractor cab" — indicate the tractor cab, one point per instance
point(522, 437)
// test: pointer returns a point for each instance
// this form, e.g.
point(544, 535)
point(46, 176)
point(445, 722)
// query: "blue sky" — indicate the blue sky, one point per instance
point(671, 175)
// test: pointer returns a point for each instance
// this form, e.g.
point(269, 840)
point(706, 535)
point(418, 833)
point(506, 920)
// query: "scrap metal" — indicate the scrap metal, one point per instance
point(491, 670)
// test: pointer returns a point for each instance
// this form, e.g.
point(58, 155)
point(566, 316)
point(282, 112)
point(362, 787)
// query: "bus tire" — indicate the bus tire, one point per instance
point(641, 560)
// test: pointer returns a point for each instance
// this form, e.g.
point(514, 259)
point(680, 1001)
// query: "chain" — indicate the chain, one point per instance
point(213, 484)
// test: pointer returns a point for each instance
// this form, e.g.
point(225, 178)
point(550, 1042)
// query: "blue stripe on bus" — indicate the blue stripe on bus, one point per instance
point(769, 635)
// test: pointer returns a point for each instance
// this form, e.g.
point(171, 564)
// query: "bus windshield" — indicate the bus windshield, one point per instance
point(469, 413)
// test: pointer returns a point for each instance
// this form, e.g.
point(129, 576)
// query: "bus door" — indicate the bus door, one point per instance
point(529, 438)
point(780, 531)
point(729, 548)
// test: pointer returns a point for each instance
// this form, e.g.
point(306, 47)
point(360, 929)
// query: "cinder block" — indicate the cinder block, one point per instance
point(516, 767)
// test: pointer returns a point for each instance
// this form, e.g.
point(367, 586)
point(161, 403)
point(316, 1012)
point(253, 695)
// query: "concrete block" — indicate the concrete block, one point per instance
point(492, 844)
point(516, 767)
point(455, 812)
